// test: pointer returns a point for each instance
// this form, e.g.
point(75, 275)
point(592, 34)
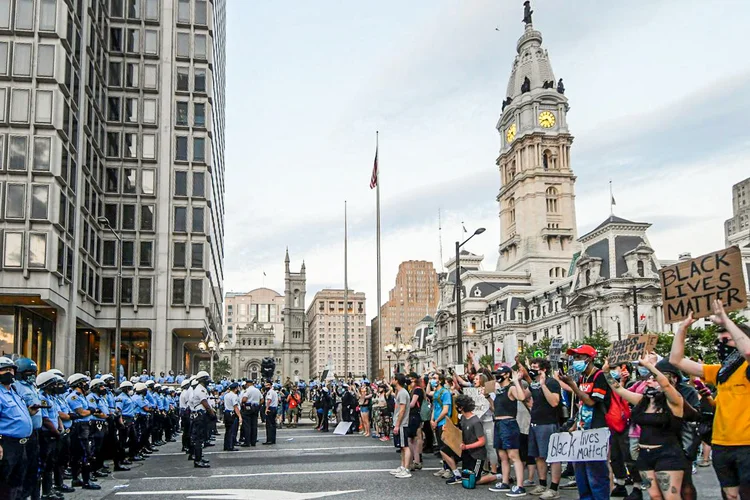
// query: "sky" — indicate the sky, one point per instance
point(659, 96)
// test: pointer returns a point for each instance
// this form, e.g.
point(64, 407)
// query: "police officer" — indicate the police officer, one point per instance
point(142, 410)
point(25, 385)
point(50, 433)
point(126, 435)
point(187, 391)
point(272, 404)
point(151, 420)
point(16, 428)
point(232, 416)
point(98, 425)
point(60, 391)
point(250, 408)
point(111, 447)
point(81, 449)
point(200, 412)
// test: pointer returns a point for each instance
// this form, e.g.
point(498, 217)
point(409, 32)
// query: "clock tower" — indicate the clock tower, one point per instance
point(536, 198)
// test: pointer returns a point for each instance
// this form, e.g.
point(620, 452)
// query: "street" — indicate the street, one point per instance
point(304, 464)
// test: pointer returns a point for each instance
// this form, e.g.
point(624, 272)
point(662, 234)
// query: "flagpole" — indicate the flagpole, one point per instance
point(377, 210)
point(346, 297)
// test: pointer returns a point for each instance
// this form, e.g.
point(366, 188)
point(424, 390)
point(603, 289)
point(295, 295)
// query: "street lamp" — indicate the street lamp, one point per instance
point(635, 290)
point(616, 319)
point(388, 349)
point(211, 347)
point(491, 309)
point(397, 349)
point(459, 326)
point(103, 221)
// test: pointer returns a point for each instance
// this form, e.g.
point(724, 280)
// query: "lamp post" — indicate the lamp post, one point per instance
point(211, 348)
point(388, 355)
point(397, 349)
point(103, 221)
point(616, 319)
point(459, 326)
point(491, 309)
point(635, 290)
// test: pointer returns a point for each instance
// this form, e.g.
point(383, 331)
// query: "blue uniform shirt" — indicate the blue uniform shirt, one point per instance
point(151, 399)
point(170, 379)
point(126, 405)
point(52, 412)
point(111, 404)
point(180, 379)
point(63, 407)
point(140, 403)
point(30, 396)
point(76, 401)
point(15, 420)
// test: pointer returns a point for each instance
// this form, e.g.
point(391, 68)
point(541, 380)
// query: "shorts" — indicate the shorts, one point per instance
point(523, 451)
point(364, 410)
point(507, 434)
point(415, 423)
point(401, 440)
point(732, 465)
point(472, 464)
point(539, 439)
point(668, 457)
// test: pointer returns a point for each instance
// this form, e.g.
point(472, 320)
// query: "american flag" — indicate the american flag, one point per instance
point(374, 178)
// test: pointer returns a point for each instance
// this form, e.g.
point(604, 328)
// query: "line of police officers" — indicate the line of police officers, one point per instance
point(52, 428)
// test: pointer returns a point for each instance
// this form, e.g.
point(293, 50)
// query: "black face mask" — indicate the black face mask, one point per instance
point(723, 349)
point(7, 378)
point(651, 392)
point(533, 373)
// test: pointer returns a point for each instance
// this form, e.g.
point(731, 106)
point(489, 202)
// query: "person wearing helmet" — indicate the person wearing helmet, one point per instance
point(200, 412)
point(50, 432)
point(81, 452)
point(126, 435)
point(232, 417)
point(272, 404)
point(158, 413)
point(26, 371)
point(184, 405)
point(98, 425)
point(112, 449)
point(16, 427)
point(143, 410)
point(60, 391)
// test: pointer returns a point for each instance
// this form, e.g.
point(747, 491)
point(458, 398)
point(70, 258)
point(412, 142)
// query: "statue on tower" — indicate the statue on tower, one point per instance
point(527, 12)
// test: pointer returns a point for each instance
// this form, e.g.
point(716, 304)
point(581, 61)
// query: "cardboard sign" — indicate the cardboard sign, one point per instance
point(510, 348)
point(490, 387)
point(579, 446)
point(632, 348)
point(459, 370)
point(554, 349)
point(481, 405)
point(452, 437)
point(381, 374)
point(694, 284)
point(342, 428)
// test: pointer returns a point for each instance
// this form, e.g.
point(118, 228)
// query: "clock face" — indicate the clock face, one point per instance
point(546, 119)
point(510, 134)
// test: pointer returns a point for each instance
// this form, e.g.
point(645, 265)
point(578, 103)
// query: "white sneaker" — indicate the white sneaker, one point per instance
point(438, 473)
point(550, 495)
point(447, 474)
point(397, 471)
point(538, 491)
point(403, 474)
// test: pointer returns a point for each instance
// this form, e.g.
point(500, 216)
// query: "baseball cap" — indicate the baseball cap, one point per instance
point(503, 369)
point(584, 349)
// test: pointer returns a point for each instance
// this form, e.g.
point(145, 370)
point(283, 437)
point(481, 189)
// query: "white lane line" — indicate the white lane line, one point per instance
point(288, 473)
point(260, 450)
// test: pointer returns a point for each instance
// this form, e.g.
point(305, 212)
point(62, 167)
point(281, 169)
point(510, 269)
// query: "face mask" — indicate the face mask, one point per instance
point(7, 378)
point(615, 374)
point(433, 383)
point(651, 392)
point(30, 379)
point(579, 365)
point(723, 349)
point(643, 372)
point(533, 373)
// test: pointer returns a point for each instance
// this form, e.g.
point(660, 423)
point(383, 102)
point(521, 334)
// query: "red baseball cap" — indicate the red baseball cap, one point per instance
point(583, 349)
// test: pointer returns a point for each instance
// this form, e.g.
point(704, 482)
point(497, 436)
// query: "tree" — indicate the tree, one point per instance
point(486, 360)
point(700, 343)
point(599, 340)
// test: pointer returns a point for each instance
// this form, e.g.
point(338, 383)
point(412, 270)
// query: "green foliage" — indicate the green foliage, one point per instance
point(599, 340)
point(486, 360)
point(700, 343)
point(222, 368)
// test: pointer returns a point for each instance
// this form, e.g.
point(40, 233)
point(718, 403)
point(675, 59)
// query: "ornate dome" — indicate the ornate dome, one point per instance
point(532, 62)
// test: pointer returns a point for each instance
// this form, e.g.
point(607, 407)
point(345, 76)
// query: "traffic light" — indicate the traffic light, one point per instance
point(267, 368)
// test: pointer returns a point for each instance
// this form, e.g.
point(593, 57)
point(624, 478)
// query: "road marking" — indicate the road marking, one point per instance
point(261, 450)
point(232, 494)
point(288, 473)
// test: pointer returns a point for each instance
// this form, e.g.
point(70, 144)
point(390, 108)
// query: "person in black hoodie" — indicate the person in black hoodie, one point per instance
point(349, 403)
point(325, 405)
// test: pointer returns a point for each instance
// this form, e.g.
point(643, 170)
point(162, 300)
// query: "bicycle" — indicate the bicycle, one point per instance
point(313, 416)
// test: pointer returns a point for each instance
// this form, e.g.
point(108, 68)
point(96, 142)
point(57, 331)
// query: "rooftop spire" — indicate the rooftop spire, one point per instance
point(527, 13)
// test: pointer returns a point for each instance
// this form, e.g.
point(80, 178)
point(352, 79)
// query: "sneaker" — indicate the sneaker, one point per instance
point(570, 485)
point(538, 490)
point(550, 495)
point(447, 474)
point(501, 487)
point(528, 484)
point(438, 473)
point(453, 480)
point(695, 469)
point(403, 474)
point(417, 465)
point(397, 470)
point(619, 491)
point(515, 492)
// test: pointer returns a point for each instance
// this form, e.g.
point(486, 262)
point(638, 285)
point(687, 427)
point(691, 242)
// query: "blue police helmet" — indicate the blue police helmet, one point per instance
point(24, 365)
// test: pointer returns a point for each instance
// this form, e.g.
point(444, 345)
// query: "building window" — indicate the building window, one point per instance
point(24, 14)
point(42, 147)
point(199, 149)
point(109, 253)
point(180, 219)
point(39, 201)
point(178, 291)
point(48, 15)
point(149, 111)
point(147, 181)
point(127, 290)
point(15, 201)
point(198, 223)
point(181, 147)
point(115, 39)
point(45, 60)
point(552, 197)
point(200, 47)
point(196, 256)
point(196, 292)
point(128, 181)
point(128, 217)
point(149, 147)
point(181, 113)
point(108, 290)
point(151, 42)
point(37, 250)
point(134, 41)
point(43, 111)
point(183, 11)
point(113, 144)
point(199, 84)
point(22, 59)
point(588, 277)
point(199, 188)
point(134, 9)
point(183, 44)
point(132, 80)
point(128, 253)
point(152, 10)
point(150, 75)
point(4, 58)
point(200, 12)
point(13, 249)
point(147, 217)
point(110, 213)
point(115, 74)
point(183, 78)
point(18, 151)
point(144, 291)
point(180, 183)
point(512, 210)
point(19, 106)
point(199, 114)
point(114, 113)
point(178, 258)
point(641, 269)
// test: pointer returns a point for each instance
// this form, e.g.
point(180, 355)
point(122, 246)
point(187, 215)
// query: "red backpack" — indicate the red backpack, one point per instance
point(618, 414)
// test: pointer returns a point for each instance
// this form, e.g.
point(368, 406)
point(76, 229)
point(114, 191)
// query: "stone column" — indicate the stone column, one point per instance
point(105, 352)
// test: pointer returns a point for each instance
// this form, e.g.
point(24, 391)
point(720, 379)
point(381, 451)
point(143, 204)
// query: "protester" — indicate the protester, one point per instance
point(442, 402)
point(415, 421)
point(400, 427)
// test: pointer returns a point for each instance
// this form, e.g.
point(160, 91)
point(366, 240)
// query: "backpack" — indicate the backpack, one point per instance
point(425, 412)
point(618, 414)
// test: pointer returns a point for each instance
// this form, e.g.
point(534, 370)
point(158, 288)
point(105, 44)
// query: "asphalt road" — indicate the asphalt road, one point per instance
point(304, 464)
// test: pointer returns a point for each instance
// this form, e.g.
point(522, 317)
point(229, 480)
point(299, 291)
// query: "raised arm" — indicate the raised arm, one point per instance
point(677, 354)
point(631, 397)
point(741, 340)
point(674, 398)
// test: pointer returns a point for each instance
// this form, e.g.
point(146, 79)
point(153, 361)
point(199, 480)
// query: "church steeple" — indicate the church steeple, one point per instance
point(537, 199)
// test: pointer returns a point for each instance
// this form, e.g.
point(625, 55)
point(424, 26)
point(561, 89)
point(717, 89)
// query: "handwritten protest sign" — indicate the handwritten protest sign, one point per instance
point(632, 348)
point(694, 284)
point(554, 349)
point(452, 436)
point(481, 405)
point(579, 446)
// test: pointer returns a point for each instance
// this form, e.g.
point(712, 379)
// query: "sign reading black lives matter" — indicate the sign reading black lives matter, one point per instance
point(579, 446)
point(694, 284)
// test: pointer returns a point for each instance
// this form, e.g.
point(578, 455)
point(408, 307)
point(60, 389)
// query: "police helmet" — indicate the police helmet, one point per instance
point(125, 385)
point(140, 386)
point(6, 362)
point(57, 372)
point(149, 383)
point(156, 387)
point(77, 379)
point(107, 377)
point(24, 365)
point(202, 375)
point(96, 383)
point(185, 383)
point(46, 378)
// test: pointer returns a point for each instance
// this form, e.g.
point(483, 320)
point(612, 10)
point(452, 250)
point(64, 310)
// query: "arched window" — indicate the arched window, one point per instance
point(512, 170)
point(557, 273)
point(547, 159)
point(552, 200)
point(641, 269)
point(588, 277)
point(512, 210)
